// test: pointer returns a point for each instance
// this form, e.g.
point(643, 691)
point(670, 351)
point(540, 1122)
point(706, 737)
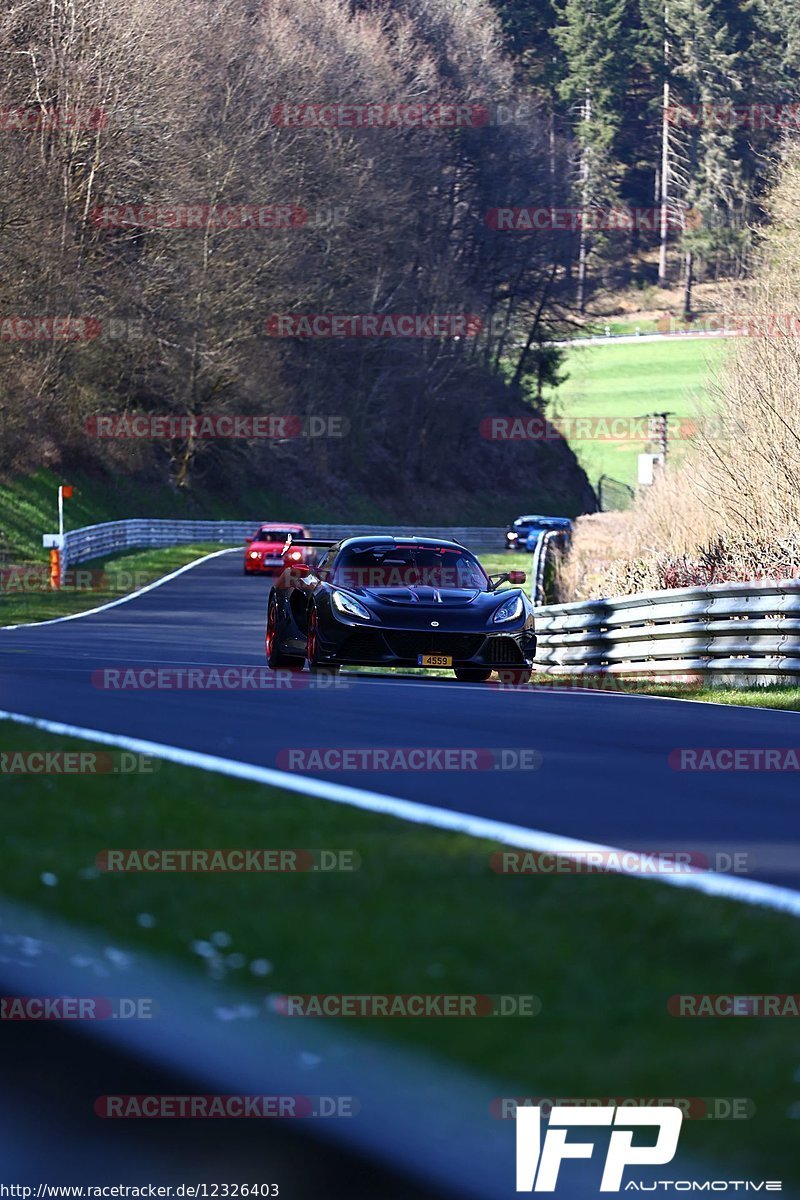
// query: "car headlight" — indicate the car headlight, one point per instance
point(509, 611)
point(348, 606)
point(511, 537)
point(295, 556)
point(254, 554)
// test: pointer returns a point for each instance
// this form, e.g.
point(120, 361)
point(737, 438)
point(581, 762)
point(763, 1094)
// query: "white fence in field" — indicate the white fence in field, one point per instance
point(727, 632)
point(95, 541)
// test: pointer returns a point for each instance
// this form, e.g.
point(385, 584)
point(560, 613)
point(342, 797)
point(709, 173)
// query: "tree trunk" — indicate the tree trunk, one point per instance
point(688, 284)
point(583, 251)
point(664, 198)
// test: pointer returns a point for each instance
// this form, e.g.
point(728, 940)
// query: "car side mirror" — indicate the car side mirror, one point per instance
point(506, 577)
point(247, 541)
point(299, 571)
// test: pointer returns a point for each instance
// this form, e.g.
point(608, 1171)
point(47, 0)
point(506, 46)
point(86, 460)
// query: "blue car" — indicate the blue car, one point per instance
point(524, 532)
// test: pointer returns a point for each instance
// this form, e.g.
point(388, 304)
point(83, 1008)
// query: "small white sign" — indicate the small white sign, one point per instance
point(647, 468)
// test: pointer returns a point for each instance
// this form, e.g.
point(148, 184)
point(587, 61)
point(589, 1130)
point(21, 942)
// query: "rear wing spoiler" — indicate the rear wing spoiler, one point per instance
point(308, 542)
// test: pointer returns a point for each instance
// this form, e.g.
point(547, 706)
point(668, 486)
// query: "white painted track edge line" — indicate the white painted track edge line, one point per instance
point(746, 891)
point(149, 587)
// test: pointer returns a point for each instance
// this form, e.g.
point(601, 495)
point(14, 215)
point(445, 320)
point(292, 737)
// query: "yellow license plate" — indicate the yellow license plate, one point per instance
point(434, 660)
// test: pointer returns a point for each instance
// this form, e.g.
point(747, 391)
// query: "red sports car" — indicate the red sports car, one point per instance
point(264, 550)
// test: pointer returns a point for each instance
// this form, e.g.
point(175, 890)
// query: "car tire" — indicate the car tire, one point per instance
point(276, 659)
point(515, 677)
point(314, 665)
point(472, 674)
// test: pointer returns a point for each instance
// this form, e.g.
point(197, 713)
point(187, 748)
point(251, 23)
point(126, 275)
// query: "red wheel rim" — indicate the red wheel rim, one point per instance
point(270, 630)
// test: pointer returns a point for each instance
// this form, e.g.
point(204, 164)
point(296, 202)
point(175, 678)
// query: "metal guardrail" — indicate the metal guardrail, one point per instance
point(540, 563)
point(94, 541)
point(727, 632)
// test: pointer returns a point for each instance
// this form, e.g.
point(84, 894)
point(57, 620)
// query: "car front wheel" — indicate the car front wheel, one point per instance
point(312, 649)
point(275, 656)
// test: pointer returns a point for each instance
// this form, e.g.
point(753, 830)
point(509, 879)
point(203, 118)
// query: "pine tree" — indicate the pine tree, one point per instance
point(706, 80)
point(592, 37)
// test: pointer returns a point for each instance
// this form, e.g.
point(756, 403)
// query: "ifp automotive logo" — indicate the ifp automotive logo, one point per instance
point(538, 1164)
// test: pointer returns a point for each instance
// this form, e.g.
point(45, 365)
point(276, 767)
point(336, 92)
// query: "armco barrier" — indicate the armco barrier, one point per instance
point(726, 632)
point(111, 537)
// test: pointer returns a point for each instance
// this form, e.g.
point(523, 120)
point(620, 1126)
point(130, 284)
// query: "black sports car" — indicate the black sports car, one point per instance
point(401, 602)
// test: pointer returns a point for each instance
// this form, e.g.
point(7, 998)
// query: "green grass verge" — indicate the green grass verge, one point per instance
point(599, 327)
point(26, 596)
point(425, 913)
point(629, 381)
point(774, 696)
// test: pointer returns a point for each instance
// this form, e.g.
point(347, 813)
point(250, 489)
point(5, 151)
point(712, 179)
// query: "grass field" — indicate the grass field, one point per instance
point(629, 381)
point(426, 913)
point(613, 327)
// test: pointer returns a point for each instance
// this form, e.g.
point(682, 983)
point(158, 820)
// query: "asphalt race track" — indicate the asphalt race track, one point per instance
point(604, 776)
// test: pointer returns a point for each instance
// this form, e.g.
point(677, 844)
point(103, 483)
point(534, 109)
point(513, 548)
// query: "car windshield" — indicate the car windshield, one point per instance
point(278, 535)
point(409, 566)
